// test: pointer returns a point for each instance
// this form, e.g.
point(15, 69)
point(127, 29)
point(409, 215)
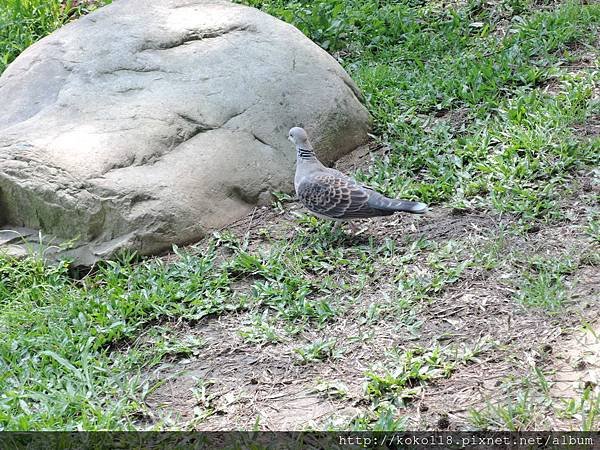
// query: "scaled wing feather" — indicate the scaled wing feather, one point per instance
point(336, 197)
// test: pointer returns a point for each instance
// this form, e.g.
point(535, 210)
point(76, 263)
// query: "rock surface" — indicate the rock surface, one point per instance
point(146, 124)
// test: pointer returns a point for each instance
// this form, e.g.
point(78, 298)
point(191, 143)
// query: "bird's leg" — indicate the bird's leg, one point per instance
point(353, 227)
point(336, 225)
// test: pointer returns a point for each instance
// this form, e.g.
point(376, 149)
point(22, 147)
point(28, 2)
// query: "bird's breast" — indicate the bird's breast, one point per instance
point(297, 180)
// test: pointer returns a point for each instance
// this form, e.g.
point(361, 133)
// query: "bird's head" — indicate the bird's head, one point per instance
point(298, 137)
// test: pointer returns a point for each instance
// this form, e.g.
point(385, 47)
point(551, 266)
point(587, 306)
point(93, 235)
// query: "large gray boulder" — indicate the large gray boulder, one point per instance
point(148, 123)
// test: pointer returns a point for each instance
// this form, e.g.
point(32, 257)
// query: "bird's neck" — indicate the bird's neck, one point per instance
point(305, 153)
point(306, 160)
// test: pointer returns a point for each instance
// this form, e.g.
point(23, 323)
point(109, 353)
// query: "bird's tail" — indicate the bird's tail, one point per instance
point(383, 203)
point(407, 206)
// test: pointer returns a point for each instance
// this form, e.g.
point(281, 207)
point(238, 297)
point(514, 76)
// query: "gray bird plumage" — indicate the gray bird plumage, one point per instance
point(330, 194)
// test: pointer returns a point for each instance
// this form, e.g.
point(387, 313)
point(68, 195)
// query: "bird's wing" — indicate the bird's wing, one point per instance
point(335, 196)
point(336, 172)
point(381, 203)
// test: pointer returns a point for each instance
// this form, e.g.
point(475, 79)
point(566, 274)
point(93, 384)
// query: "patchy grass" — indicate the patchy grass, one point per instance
point(319, 351)
point(403, 376)
point(543, 284)
point(59, 367)
point(525, 406)
point(482, 110)
point(585, 409)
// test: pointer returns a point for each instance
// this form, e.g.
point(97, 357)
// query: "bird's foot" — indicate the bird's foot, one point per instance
point(358, 230)
point(353, 228)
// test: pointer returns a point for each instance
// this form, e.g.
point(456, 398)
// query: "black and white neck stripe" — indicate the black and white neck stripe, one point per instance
point(305, 153)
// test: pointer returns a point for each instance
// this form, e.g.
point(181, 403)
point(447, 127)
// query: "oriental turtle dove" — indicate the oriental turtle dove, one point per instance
point(329, 194)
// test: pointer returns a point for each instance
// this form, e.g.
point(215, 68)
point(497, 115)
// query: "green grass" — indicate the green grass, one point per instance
point(406, 371)
point(543, 285)
point(320, 350)
point(401, 379)
point(527, 405)
point(458, 93)
point(58, 368)
point(521, 410)
point(24, 22)
point(586, 409)
point(261, 330)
